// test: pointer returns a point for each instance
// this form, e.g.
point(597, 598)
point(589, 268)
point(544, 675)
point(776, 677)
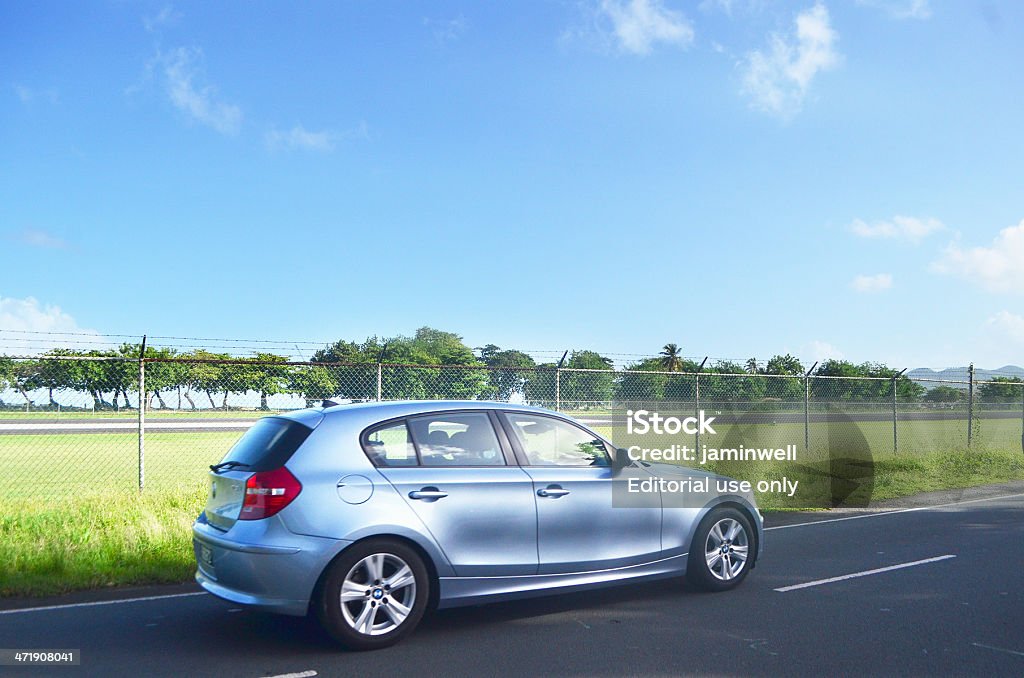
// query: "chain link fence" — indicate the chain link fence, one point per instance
point(75, 425)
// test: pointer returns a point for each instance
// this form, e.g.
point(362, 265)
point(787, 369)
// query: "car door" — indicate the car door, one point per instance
point(578, 528)
point(453, 471)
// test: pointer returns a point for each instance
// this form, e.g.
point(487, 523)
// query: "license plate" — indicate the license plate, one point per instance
point(206, 556)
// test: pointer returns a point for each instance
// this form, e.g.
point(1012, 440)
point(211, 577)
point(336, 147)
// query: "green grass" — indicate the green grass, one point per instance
point(40, 466)
point(55, 545)
point(73, 518)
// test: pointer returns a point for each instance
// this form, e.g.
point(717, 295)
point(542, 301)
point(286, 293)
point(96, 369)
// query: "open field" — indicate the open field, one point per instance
point(73, 517)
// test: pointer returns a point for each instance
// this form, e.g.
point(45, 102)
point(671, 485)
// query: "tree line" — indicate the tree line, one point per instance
point(204, 379)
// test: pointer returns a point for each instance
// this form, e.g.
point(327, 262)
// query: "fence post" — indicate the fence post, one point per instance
point(380, 371)
point(696, 411)
point(696, 404)
point(895, 415)
point(558, 382)
point(970, 404)
point(807, 408)
point(807, 413)
point(142, 415)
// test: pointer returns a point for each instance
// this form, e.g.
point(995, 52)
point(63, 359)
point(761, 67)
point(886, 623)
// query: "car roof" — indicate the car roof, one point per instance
point(402, 408)
point(362, 415)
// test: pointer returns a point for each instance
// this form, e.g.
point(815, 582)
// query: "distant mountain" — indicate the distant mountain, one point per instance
point(960, 373)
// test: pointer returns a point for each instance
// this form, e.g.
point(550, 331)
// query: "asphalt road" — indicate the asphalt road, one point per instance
point(184, 424)
point(958, 615)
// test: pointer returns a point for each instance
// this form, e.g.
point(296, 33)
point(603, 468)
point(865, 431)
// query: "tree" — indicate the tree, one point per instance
point(510, 371)
point(447, 348)
point(206, 377)
point(879, 387)
point(752, 366)
point(784, 364)
point(945, 394)
point(1001, 390)
point(6, 375)
point(731, 388)
point(20, 376)
point(784, 389)
point(639, 381)
point(50, 374)
point(428, 349)
point(671, 357)
point(358, 381)
point(588, 387)
point(95, 377)
point(266, 375)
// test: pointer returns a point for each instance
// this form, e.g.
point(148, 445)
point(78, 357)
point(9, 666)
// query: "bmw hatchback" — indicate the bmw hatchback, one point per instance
point(369, 514)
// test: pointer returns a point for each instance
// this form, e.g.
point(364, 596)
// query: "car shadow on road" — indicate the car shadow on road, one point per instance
point(260, 632)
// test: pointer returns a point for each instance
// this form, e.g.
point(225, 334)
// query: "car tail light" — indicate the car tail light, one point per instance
point(267, 492)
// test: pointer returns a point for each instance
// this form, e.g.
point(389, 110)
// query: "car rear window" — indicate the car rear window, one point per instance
point(269, 444)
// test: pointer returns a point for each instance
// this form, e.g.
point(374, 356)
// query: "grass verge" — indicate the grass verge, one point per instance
point(55, 545)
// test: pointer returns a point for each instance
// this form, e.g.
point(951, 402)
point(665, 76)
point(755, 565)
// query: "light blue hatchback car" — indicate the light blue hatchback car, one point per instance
point(369, 514)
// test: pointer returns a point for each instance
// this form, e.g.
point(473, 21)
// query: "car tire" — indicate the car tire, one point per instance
point(374, 594)
point(722, 551)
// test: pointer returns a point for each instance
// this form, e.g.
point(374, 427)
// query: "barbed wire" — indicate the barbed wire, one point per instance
point(23, 343)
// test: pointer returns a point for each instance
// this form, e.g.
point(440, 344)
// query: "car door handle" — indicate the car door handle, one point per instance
point(428, 494)
point(552, 491)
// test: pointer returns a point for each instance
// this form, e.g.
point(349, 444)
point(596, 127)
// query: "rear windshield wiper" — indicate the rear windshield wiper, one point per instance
point(227, 465)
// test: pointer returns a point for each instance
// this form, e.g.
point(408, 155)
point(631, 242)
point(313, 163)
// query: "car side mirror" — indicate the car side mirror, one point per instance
point(621, 459)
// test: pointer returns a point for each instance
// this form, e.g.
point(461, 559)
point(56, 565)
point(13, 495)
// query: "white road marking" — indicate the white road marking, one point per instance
point(894, 512)
point(301, 674)
point(865, 573)
point(97, 603)
point(998, 649)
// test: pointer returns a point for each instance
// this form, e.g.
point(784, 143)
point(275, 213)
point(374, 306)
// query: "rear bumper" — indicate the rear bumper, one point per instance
point(261, 564)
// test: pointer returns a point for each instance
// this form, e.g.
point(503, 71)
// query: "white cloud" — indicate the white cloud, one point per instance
point(999, 268)
point(777, 79)
point(872, 283)
point(167, 16)
point(640, 24)
point(447, 30)
point(731, 8)
point(899, 227)
point(23, 318)
point(901, 9)
point(181, 69)
point(27, 95)
point(299, 138)
point(820, 351)
point(724, 6)
point(37, 238)
point(1009, 325)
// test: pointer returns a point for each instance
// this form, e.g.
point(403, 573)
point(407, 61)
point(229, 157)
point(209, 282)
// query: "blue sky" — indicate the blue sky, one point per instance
point(740, 177)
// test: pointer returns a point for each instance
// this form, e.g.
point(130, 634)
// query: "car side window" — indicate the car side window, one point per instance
point(457, 439)
point(553, 442)
point(390, 445)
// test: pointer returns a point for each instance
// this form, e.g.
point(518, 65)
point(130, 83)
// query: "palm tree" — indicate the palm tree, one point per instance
point(671, 357)
point(752, 366)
